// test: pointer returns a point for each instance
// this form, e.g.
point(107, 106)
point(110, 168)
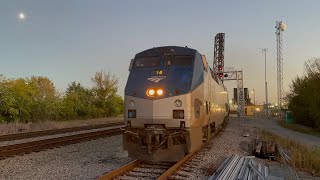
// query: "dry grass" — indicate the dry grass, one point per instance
point(299, 128)
point(302, 157)
point(11, 128)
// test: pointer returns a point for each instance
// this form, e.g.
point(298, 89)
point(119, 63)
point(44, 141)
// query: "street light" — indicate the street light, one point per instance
point(254, 101)
point(254, 98)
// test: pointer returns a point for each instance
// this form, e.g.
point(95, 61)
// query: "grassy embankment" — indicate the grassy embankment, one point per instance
point(299, 128)
point(302, 157)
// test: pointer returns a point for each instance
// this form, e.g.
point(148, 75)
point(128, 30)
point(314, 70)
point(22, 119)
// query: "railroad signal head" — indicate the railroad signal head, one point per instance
point(220, 68)
point(220, 75)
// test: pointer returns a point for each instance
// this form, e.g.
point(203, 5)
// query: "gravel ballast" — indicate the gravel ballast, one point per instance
point(86, 160)
point(223, 145)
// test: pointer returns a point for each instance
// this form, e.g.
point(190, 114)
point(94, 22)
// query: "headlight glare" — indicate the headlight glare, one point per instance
point(151, 92)
point(159, 92)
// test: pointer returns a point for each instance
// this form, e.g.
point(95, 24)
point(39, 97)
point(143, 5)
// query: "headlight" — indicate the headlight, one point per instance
point(151, 92)
point(178, 103)
point(159, 92)
point(131, 103)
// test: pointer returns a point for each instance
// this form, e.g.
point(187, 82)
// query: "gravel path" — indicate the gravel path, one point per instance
point(86, 160)
point(273, 126)
point(5, 143)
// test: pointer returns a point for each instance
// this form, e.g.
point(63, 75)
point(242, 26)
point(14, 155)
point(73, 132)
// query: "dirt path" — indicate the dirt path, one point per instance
point(272, 125)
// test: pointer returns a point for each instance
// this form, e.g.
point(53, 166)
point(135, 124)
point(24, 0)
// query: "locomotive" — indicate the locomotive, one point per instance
point(173, 102)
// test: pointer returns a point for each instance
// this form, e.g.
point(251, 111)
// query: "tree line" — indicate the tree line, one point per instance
point(304, 95)
point(36, 99)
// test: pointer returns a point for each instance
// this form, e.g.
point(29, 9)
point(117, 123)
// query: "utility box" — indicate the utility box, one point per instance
point(289, 117)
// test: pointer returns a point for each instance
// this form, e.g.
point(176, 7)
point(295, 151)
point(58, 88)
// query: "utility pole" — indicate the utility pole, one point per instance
point(264, 51)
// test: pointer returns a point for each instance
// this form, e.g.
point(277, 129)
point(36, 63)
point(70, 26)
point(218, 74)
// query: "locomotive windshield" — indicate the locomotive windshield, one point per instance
point(179, 61)
point(146, 62)
point(176, 70)
point(182, 60)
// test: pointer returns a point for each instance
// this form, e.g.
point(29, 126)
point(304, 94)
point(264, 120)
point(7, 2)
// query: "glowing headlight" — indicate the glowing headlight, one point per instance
point(131, 103)
point(159, 92)
point(178, 103)
point(151, 92)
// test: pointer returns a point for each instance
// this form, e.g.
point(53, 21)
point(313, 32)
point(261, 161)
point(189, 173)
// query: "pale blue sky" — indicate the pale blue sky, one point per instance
point(71, 40)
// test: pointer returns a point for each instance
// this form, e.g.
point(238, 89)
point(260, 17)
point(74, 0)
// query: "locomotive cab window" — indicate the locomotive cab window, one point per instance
point(146, 62)
point(179, 60)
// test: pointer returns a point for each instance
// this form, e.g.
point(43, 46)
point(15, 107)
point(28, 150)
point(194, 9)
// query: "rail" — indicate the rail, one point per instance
point(36, 146)
point(18, 136)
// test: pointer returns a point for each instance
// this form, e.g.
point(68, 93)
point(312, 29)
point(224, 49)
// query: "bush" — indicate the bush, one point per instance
point(304, 96)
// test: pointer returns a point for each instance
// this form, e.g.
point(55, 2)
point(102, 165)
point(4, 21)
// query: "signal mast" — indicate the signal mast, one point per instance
point(220, 73)
point(218, 59)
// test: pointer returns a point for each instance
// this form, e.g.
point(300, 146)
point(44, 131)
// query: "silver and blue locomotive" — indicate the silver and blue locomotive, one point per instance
point(173, 102)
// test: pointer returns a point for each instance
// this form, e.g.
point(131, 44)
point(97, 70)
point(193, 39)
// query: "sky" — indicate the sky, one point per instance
point(71, 40)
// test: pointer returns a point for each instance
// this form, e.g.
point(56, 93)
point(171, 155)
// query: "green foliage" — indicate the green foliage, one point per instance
point(304, 96)
point(36, 99)
point(104, 89)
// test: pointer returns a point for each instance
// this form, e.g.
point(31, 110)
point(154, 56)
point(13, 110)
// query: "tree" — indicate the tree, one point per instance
point(36, 98)
point(78, 101)
point(105, 89)
point(45, 99)
point(304, 95)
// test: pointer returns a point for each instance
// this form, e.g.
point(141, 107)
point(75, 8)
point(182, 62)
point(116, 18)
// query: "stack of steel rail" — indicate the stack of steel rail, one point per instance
point(240, 167)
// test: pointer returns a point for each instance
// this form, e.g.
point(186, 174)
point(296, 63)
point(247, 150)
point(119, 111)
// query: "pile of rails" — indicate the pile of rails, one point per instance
point(240, 167)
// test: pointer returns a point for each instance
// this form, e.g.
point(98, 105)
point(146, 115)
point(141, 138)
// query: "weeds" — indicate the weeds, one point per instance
point(299, 128)
point(302, 157)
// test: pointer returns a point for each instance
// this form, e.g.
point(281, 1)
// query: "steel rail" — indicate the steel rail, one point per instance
point(25, 135)
point(36, 146)
point(126, 169)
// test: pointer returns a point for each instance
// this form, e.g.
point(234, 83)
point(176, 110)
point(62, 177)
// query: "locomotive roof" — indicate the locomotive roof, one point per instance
point(174, 50)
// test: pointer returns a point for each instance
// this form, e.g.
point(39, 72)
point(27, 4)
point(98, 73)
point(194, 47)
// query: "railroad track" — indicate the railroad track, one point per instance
point(160, 170)
point(18, 136)
point(150, 170)
point(36, 146)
